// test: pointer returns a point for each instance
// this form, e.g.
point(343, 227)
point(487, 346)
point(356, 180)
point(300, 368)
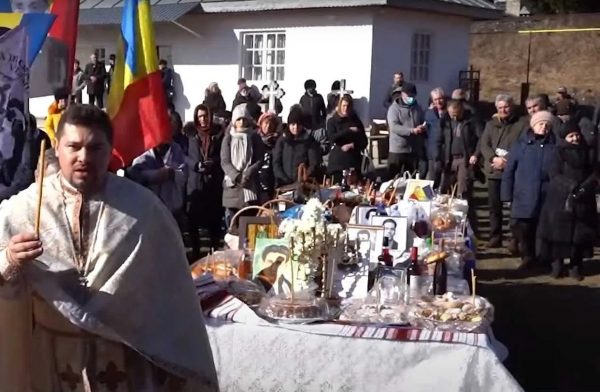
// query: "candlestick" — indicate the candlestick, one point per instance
point(292, 268)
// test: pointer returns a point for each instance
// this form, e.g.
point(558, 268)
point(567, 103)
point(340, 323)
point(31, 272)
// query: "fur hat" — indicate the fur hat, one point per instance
point(541, 116)
point(568, 127)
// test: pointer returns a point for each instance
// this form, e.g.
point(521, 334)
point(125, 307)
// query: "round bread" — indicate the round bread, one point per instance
point(434, 257)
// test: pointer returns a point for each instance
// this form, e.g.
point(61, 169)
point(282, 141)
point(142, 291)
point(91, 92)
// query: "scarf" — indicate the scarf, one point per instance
point(241, 158)
point(204, 140)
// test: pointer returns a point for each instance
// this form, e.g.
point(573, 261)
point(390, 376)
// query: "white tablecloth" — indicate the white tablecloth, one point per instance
point(253, 358)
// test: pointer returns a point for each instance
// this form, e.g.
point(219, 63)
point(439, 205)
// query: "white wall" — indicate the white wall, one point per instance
point(320, 44)
point(392, 35)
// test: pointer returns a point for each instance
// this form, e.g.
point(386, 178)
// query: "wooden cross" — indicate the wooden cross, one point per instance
point(70, 378)
point(111, 377)
point(342, 91)
point(274, 92)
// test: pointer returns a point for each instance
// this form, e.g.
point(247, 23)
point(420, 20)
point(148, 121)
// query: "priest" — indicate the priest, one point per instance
point(102, 299)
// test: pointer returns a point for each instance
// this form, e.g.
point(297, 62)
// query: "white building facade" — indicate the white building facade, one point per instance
point(362, 44)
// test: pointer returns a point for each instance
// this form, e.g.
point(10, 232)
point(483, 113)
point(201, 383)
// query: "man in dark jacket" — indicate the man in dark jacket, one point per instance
point(498, 137)
point(205, 179)
point(408, 134)
point(525, 179)
point(295, 148)
point(17, 173)
point(313, 106)
point(456, 147)
point(433, 115)
point(95, 75)
point(168, 77)
point(397, 84)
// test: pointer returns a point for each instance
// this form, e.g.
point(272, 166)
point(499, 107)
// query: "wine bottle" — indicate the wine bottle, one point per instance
point(385, 258)
point(413, 274)
point(344, 185)
point(440, 275)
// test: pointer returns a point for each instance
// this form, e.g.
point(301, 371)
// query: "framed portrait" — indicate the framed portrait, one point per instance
point(395, 228)
point(362, 215)
point(253, 227)
point(368, 241)
point(274, 268)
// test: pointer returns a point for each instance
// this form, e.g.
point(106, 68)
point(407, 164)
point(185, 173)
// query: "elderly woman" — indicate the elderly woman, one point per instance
point(296, 147)
point(569, 217)
point(525, 181)
point(213, 99)
point(242, 153)
point(499, 134)
point(347, 134)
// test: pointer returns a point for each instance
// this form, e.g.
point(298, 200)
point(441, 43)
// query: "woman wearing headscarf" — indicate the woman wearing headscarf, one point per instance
point(346, 132)
point(569, 217)
point(205, 181)
point(241, 157)
point(268, 125)
point(213, 99)
point(296, 147)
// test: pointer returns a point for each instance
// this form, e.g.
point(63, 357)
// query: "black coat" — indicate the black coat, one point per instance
point(339, 133)
point(468, 131)
point(215, 103)
point(292, 151)
point(266, 175)
point(205, 181)
point(573, 171)
point(314, 109)
point(99, 71)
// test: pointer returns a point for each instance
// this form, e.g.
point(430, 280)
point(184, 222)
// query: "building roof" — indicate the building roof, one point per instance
point(97, 12)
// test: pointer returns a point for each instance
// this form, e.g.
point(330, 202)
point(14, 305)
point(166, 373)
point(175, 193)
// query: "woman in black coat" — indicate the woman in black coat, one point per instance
point(568, 220)
point(296, 147)
point(347, 134)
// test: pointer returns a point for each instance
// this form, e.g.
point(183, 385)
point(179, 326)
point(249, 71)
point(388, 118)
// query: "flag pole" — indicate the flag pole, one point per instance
point(26, 92)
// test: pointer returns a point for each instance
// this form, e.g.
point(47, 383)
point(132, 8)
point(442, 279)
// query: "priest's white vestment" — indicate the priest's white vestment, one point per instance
point(109, 306)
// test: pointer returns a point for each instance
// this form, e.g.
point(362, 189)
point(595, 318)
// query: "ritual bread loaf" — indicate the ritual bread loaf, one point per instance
point(288, 309)
point(434, 257)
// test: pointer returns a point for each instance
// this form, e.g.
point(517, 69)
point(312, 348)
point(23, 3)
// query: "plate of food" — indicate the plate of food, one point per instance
point(452, 312)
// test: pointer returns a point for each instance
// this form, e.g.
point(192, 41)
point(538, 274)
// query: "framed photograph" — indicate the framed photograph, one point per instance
point(253, 227)
point(395, 228)
point(368, 240)
point(274, 268)
point(362, 215)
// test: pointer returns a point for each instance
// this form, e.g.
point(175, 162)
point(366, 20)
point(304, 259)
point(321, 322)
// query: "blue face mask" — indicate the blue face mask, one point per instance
point(410, 101)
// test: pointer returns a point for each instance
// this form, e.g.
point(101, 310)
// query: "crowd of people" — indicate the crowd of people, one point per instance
point(223, 161)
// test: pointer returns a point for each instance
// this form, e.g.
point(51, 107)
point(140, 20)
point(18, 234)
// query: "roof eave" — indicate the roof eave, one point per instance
point(478, 13)
point(421, 5)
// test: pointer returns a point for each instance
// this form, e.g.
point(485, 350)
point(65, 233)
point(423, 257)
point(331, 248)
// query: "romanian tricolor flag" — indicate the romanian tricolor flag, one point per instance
point(137, 103)
point(36, 26)
point(65, 30)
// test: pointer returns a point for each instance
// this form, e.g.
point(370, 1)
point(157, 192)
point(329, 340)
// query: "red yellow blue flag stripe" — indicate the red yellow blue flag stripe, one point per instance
point(137, 103)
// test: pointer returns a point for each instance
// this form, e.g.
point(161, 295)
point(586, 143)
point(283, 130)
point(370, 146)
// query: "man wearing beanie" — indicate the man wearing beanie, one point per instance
point(525, 179)
point(496, 141)
point(313, 106)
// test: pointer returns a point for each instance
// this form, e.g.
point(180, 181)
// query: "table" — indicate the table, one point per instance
point(257, 358)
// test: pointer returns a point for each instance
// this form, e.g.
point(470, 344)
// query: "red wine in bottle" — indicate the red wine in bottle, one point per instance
point(413, 274)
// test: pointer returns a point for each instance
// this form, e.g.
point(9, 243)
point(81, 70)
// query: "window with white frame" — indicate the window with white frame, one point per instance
point(420, 57)
point(100, 53)
point(263, 56)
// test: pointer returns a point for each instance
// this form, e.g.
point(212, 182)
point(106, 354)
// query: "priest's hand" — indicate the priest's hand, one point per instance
point(23, 248)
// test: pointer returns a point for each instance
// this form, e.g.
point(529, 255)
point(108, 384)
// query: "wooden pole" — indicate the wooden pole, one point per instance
point(41, 172)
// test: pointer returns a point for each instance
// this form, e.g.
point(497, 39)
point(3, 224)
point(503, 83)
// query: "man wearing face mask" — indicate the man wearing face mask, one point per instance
point(408, 133)
point(313, 106)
